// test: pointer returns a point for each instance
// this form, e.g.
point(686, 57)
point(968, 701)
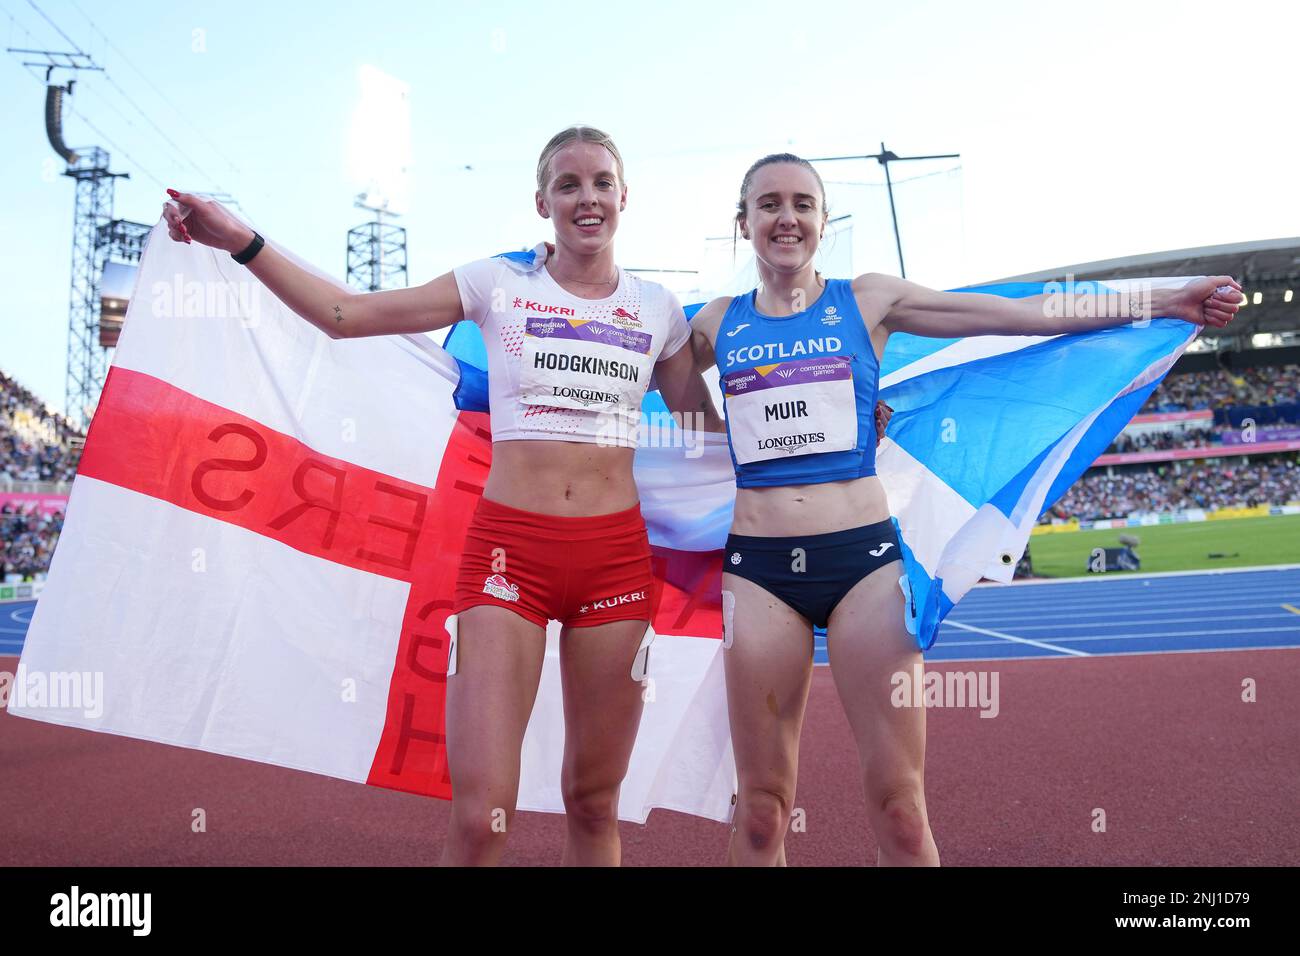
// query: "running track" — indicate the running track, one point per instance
point(1225, 610)
point(1138, 712)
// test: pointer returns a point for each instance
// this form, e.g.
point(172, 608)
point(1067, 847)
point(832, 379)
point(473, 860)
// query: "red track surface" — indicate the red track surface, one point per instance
point(1187, 773)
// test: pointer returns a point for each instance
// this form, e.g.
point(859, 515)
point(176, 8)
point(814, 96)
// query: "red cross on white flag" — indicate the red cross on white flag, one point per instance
point(261, 546)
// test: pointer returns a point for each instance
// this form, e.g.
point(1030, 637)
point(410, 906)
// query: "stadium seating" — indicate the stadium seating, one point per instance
point(1266, 395)
point(38, 453)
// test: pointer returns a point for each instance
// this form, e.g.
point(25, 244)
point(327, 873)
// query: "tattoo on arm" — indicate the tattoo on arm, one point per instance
point(338, 314)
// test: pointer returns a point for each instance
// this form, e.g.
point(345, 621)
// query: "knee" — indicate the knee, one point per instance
point(762, 816)
point(477, 826)
point(899, 820)
point(591, 808)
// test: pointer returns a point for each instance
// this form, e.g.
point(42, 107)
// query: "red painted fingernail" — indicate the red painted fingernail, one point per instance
point(173, 193)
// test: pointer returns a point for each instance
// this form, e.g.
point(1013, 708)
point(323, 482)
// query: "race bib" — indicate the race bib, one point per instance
point(587, 364)
point(801, 407)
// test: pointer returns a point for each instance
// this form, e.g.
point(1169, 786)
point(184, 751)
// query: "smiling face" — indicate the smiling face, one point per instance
point(583, 196)
point(784, 215)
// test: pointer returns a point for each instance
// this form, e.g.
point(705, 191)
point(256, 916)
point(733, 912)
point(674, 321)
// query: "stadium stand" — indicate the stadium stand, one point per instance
point(1239, 469)
point(1220, 388)
point(39, 450)
point(1210, 485)
point(1223, 428)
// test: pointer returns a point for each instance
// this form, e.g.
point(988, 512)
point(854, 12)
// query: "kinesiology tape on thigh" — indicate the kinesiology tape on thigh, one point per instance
point(641, 662)
point(452, 626)
point(728, 618)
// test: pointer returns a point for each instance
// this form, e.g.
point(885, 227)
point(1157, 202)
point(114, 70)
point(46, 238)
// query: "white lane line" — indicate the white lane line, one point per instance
point(1057, 657)
point(1019, 640)
point(1262, 587)
point(1187, 603)
point(1142, 634)
point(1041, 582)
point(1102, 637)
point(1016, 597)
point(1009, 593)
point(1010, 620)
point(1173, 620)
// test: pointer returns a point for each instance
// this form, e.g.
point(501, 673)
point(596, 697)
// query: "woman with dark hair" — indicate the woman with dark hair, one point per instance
point(812, 540)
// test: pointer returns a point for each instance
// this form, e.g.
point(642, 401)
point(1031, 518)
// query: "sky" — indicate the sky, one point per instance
point(1085, 131)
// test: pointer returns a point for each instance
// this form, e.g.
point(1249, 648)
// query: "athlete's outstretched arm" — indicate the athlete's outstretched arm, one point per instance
point(338, 312)
point(907, 307)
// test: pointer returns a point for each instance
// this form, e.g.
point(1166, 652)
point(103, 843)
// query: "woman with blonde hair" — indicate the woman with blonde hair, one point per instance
point(572, 341)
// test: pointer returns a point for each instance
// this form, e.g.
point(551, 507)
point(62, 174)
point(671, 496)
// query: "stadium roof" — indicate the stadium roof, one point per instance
point(1269, 267)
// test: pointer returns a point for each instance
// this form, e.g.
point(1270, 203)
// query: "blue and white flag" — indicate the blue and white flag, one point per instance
point(990, 431)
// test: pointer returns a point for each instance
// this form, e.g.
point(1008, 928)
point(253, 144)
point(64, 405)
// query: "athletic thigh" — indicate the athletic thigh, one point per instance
point(769, 671)
point(602, 703)
point(868, 644)
point(489, 700)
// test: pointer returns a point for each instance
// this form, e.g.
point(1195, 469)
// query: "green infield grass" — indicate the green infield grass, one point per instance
point(1240, 542)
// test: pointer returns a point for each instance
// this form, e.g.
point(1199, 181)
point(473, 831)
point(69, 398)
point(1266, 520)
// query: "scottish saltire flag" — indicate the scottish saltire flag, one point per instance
point(261, 546)
point(988, 433)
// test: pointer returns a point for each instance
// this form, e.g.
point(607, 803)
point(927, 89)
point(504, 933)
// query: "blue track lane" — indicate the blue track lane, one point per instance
point(1129, 614)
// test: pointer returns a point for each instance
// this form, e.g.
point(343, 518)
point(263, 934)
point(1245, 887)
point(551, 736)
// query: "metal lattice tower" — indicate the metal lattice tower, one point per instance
point(125, 239)
point(376, 252)
point(87, 361)
point(377, 256)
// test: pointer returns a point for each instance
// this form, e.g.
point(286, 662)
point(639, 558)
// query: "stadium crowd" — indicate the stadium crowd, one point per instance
point(27, 541)
point(1214, 484)
point(1264, 385)
point(34, 442)
point(1165, 440)
point(35, 445)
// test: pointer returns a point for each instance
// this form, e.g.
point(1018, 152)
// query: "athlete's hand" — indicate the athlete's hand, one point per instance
point(204, 221)
point(883, 414)
point(1211, 301)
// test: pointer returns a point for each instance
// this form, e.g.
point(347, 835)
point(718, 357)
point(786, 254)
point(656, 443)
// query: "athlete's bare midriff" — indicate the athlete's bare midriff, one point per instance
point(791, 510)
point(565, 478)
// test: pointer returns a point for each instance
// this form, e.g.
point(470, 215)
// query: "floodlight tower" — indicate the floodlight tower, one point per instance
point(92, 218)
point(376, 249)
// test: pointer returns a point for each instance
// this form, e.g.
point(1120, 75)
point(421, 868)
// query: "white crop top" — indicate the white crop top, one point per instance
point(561, 367)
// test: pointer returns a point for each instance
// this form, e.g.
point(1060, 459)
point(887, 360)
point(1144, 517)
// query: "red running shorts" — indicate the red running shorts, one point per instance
point(579, 571)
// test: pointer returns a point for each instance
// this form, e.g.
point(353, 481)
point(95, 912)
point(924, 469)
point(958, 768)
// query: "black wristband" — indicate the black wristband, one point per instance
point(245, 255)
